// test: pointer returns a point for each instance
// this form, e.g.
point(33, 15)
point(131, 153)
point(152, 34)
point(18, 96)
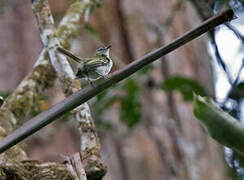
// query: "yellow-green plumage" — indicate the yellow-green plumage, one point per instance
point(93, 67)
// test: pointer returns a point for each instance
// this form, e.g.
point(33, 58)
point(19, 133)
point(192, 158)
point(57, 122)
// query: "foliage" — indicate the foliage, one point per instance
point(185, 86)
point(129, 100)
point(130, 103)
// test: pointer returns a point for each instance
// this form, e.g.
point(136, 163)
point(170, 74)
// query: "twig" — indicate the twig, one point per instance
point(171, 16)
point(234, 85)
point(220, 59)
point(82, 96)
point(236, 32)
point(75, 166)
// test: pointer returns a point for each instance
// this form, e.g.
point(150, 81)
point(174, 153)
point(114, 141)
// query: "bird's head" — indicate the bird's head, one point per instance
point(103, 51)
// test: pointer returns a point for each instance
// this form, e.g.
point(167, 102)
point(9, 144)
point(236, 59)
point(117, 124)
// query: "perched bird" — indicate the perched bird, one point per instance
point(92, 68)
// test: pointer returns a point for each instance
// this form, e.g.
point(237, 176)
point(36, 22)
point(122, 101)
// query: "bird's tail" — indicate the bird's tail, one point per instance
point(69, 54)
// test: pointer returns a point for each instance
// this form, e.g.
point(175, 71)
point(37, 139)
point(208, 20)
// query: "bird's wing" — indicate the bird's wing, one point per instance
point(93, 63)
point(89, 66)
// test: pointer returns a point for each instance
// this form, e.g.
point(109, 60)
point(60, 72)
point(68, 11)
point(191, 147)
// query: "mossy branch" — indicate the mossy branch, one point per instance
point(20, 103)
point(82, 96)
point(219, 125)
point(25, 97)
point(88, 136)
point(35, 170)
point(89, 139)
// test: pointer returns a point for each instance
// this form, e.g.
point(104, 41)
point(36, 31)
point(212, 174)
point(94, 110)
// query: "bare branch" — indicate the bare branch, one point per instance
point(75, 166)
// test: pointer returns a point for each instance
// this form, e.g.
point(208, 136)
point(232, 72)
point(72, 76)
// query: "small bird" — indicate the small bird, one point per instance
point(91, 68)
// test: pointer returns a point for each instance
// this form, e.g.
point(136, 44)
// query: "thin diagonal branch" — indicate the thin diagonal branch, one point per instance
point(47, 28)
point(82, 96)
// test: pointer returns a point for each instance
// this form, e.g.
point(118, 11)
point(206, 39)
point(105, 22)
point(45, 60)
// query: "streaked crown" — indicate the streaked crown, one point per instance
point(103, 51)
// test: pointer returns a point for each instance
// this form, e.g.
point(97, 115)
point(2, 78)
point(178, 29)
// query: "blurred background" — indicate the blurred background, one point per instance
point(145, 123)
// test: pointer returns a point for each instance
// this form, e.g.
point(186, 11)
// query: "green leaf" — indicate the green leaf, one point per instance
point(219, 125)
point(130, 104)
point(186, 86)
